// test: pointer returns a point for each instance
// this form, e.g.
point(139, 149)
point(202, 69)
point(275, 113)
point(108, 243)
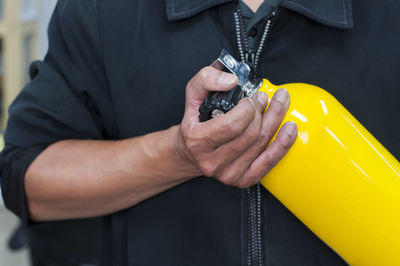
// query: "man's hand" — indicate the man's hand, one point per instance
point(231, 147)
point(85, 178)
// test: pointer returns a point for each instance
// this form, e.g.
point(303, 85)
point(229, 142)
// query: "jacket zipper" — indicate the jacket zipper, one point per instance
point(252, 57)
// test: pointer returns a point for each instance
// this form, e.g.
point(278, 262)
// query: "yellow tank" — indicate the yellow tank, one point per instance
point(338, 179)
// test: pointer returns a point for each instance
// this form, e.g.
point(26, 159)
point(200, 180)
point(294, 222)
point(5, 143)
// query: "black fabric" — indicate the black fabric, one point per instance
point(66, 243)
point(13, 189)
point(121, 71)
point(58, 104)
point(336, 13)
point(47, 109)
point(253, 18)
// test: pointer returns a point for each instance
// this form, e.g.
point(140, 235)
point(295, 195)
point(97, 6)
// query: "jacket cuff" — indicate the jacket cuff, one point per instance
point(13, 182)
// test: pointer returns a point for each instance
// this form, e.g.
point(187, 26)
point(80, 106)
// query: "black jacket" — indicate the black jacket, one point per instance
point(118, 69)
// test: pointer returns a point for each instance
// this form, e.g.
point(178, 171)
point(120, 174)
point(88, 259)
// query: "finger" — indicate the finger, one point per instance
point(271, 156)
point(271, 122)
point(260, 101)
point(206, 80)
point(273, 117)
point(240, 144)
point(233, 149)
point(226, 127)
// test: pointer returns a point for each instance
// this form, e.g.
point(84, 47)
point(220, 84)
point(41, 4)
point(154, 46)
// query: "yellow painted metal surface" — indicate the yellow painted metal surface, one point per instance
point(338, 179)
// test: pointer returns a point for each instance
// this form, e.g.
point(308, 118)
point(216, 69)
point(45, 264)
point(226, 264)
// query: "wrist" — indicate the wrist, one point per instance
point(181, 153)
point(164, 154)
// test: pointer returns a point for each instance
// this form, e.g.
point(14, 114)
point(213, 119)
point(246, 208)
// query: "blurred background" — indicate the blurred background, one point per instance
point(23, 38)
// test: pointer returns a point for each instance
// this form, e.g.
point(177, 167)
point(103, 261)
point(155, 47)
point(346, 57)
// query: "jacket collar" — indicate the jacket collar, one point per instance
point(334, 13)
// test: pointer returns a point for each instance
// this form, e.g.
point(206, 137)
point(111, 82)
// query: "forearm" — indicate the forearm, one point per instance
point(81, 178)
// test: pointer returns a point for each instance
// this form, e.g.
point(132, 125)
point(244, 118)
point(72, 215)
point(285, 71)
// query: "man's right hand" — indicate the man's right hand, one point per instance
point(86, 178)
point(231, 147)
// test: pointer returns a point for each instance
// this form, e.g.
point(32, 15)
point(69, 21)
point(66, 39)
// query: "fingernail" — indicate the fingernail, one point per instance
point(226, 79)
point(291, 128)
point(262, 98)
point(282, 95)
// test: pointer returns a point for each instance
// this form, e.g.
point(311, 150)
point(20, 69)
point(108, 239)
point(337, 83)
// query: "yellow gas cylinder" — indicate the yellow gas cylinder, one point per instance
point(338, 179)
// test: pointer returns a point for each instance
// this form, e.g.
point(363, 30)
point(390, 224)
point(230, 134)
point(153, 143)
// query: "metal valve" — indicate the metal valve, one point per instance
point(217, 102)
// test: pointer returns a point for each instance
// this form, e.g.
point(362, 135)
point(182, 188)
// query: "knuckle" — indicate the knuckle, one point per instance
point(250, 137)
point(236, 123)
point(254, 130)
point(244, 184)
point(193, 146)
point(263, 138)
point(191, 142)
point(261, 142)
point(210, 142)
point(230, 127)
point(235, 128)
point(209, 168)
point(231, 178)
point(235, 149)
point(272, 160)
point(204, 73)
point(284, 144)
point(186, 131)
point(249, 105)
point(250, 180)
point(189, 84)
point(246, 108)
point(266, 134)
point(226, 179)
point(278, 110)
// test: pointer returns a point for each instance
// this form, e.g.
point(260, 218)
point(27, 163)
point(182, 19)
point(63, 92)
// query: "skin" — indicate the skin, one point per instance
point(86, 178)
point(253, 4)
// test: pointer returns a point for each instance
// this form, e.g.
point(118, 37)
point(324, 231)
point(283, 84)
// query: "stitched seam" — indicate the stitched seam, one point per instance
point(187, 11)
point(348, 11)
point(316, 14)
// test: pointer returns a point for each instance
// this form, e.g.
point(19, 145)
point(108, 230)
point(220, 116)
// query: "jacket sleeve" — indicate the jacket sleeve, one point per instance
point(67, 98)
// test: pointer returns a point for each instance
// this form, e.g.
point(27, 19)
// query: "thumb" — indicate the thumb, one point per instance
point(206, 80)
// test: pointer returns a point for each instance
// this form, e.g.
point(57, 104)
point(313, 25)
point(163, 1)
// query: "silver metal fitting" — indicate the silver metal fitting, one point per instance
point(240, 69)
